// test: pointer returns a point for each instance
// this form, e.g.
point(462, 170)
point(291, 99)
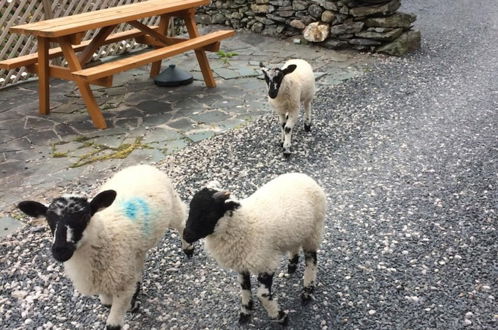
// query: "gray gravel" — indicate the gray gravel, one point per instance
point(408, 155)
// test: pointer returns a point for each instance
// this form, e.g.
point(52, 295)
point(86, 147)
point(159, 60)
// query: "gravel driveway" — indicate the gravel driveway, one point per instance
point(408, 154)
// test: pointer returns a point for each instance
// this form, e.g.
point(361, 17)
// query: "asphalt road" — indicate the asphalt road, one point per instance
point(408, 155)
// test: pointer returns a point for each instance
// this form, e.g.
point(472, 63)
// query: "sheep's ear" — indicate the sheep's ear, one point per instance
point(289, 69)
point(33, 209)
point(263, 69)
point(221, 196)
point(102, 200)
point(224, 196)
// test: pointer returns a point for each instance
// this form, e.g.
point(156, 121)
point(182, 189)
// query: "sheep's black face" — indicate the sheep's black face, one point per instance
point(67, 218)
point(274, 78)
point(206, 208)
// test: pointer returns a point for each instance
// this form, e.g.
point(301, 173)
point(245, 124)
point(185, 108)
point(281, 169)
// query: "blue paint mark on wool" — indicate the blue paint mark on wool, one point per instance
point(130, 209)
point(137, 209)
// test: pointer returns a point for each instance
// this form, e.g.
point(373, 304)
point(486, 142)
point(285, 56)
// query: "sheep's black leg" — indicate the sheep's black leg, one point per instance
point(282, 120)
point(246, 297)
point(265, 296)
point(310, 260)
point(135, 304)
point(289, 126)
point(293, 260)
point(307, 116)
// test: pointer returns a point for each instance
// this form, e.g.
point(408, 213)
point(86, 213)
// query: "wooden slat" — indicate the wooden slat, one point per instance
point(86, 93)
point(155, 68)
point(146, 30)
point(93, 20)
point(97, 41)
point(43, 77)
point(47, 9)
point(64, 73)
point(148, 40)
point(124, 64)
point(55, 52)
point(207, 74)
point(76, 38)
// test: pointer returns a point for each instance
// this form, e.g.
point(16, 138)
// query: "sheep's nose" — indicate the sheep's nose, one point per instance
point(273, 93)
point(62, 253)
point(188, 237)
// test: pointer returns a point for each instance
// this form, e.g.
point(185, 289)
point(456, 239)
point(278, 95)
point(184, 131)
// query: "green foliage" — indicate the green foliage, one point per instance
point(59, 154)
point(120, 152)
point(225, 56)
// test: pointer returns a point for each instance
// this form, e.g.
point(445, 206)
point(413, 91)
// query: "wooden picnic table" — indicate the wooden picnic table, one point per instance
point(69, 31)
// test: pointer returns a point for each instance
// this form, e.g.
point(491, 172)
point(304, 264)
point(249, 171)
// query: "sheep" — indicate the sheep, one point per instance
point(288, 87)
point(103, 242)
point(250, 235)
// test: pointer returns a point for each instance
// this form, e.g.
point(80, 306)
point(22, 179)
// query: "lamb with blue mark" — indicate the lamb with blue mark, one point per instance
point(103, 242)
point(250, 235)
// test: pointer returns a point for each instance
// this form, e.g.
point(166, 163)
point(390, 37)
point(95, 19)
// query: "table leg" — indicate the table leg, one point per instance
point(163, 29)
point(84, 87)
point(43, 76)
point(200, 54)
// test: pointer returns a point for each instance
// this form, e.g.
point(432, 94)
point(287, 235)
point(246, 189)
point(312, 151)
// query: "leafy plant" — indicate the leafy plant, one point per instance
point(225, 56)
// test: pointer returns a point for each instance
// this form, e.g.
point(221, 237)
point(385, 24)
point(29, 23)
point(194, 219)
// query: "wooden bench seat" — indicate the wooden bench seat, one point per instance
point(30, 59)
point(107, 69)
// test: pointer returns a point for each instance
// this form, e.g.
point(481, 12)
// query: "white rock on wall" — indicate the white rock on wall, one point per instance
point(316, 32)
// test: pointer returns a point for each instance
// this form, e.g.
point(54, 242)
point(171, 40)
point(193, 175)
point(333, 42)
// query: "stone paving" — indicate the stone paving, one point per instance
point(40, 154)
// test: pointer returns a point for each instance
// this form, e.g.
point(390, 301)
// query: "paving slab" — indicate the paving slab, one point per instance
point(35, 149)
point(9, 226)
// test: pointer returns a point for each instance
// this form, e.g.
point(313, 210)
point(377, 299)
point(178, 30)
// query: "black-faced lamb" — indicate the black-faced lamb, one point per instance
point(251, 235)
point(288, 87)
point(103, 242)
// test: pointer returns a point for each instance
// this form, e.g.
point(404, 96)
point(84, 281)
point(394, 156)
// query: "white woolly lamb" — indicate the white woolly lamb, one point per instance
point(251, 235)
point(288, 88)
point(103, 242)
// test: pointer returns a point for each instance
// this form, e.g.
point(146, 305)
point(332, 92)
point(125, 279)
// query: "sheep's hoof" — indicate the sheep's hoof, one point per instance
point(287, 153)
point(306, 295)
point(107, 305)
point(244, 318)
point(305, 299)
point(291, 269)
point(112, 327)
point(307, 127)
point(189, 252)
point(283, 318)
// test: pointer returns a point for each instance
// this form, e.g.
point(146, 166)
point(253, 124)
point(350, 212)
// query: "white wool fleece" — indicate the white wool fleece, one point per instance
point(111, 254)
point(296, 88)
point(283, 215)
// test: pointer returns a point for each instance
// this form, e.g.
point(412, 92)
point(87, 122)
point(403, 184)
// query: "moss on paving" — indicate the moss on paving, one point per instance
point(81, 139)
point(55, 153)
point(120, 152)
point(59, 154)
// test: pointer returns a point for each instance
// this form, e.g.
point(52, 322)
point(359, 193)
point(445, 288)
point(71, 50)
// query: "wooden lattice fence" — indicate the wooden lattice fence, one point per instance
point(15, 12)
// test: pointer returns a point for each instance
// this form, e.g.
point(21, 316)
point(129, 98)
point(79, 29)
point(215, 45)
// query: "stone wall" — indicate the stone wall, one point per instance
point(370, 25)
